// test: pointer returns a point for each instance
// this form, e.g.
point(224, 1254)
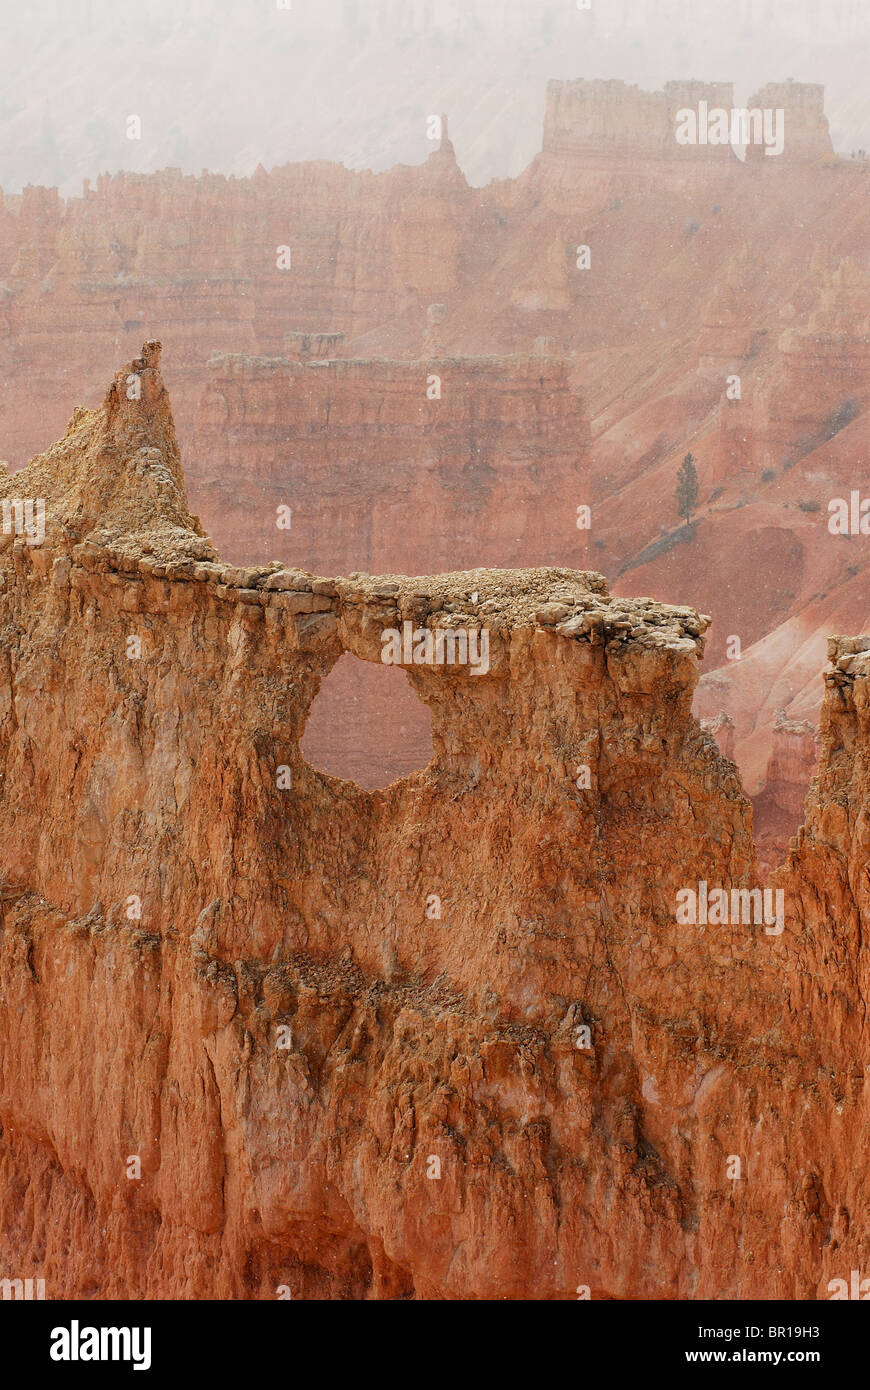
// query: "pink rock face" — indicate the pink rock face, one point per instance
point(722, 729)
point(446, 460)
point(452, 1039)
point(779, 805)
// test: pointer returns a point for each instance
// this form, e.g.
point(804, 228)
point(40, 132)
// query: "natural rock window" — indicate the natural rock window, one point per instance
point(367, 725)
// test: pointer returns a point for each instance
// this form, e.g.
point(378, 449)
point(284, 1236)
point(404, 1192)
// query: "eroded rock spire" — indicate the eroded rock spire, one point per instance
point(116, 475)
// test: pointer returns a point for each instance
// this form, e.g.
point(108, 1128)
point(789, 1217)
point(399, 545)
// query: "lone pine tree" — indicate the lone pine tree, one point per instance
point(687, 488)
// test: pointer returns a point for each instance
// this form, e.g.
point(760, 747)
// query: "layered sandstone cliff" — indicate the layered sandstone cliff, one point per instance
point(264, 1031)
point(228, 265)
point(448, 460)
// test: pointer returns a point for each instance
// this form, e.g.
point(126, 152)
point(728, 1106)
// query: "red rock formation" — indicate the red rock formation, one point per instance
point(240, 1046)
point(702, 268)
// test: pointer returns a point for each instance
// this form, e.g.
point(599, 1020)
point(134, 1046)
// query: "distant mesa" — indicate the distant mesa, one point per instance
point(623, 121)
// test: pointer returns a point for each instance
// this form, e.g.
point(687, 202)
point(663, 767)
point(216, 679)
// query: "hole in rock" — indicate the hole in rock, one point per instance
point(367, 725)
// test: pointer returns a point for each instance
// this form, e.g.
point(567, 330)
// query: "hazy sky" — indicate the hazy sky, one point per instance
point(228, 84)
